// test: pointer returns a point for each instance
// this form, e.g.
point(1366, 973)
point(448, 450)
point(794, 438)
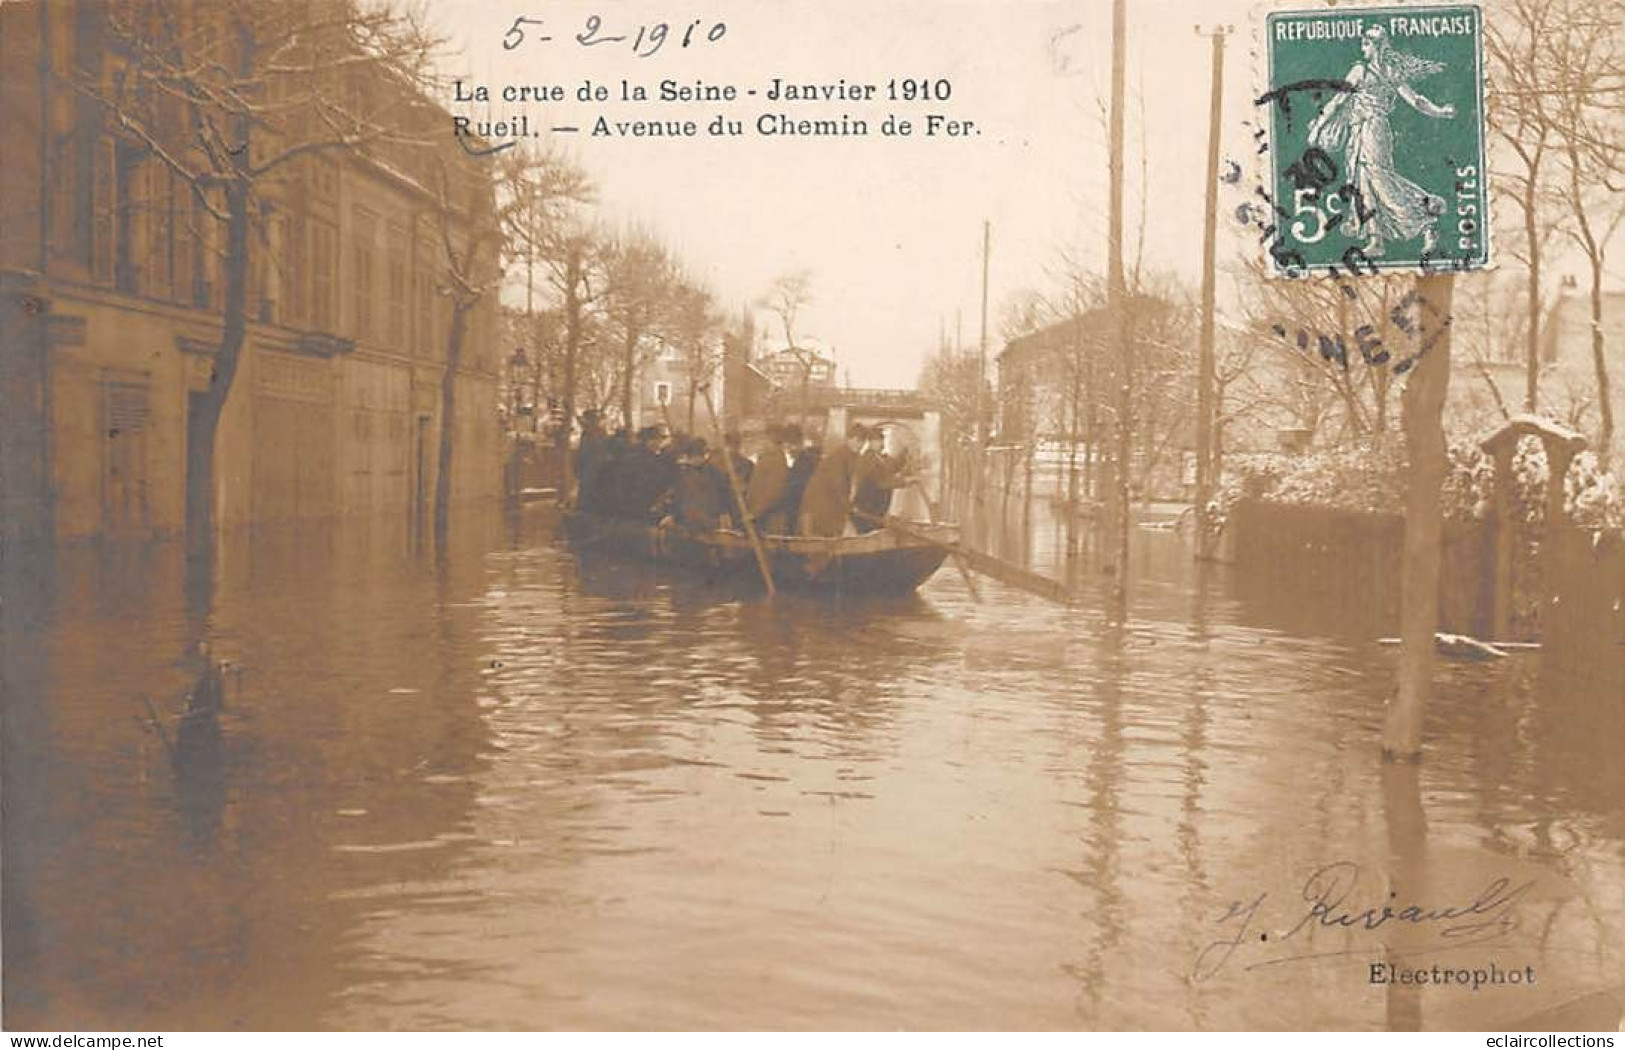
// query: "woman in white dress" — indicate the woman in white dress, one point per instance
point(1388, 206)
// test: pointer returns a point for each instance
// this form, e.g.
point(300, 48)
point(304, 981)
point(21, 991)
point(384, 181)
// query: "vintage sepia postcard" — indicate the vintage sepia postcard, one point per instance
point(950, 515)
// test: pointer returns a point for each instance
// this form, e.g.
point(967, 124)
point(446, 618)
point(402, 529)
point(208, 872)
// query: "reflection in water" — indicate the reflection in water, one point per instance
point(1407, 839)
point(511, 787)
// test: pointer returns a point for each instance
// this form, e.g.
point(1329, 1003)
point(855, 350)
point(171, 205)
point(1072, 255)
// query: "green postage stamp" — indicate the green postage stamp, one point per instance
point(1376, 139)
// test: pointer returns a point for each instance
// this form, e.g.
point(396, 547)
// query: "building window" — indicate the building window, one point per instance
point(269, 284)
point(423, 329)
point(426, 298)
point(323, 259)
point(126, 217)
point(289, 266)
point(324, 178)
point(364, 234)
point(662, 393)
point(395, 289)
point(125, 412)
point(204, 240)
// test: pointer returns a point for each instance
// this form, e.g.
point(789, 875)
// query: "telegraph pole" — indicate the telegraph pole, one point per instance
point(1116, 301)
point(1204, 372)
point(981, 370)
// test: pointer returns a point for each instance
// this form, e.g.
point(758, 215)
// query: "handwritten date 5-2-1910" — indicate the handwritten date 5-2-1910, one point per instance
point(645, 39)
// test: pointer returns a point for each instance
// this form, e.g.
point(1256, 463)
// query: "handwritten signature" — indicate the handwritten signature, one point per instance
point(1333, 904)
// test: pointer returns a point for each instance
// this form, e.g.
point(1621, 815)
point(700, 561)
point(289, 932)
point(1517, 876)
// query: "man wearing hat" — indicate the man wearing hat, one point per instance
point(769, 480)
point(589, 458)
point(827, 503)
point(700, 496)
point(877, 475)
point(645, 476)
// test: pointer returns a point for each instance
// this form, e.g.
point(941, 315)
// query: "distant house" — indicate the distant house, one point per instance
point(1056, 389)
point(661, 393)
point(1042, 382)
point(1568, 371)
point(747, 392)
point(790, 368)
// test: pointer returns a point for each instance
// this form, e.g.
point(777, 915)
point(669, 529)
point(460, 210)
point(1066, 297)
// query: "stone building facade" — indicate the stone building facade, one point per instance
point(111, 314)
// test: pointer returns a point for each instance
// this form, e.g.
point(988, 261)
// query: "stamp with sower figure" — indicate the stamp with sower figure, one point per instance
point(1376, 140)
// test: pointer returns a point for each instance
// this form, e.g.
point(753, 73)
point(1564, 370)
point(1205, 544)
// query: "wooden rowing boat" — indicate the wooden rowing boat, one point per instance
point(880, 562)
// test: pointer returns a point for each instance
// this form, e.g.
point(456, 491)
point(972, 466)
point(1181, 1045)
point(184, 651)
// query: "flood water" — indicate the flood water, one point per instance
point(513, 788)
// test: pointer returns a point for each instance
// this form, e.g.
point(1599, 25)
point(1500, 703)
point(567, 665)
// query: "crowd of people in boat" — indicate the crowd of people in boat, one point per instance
point(792, 487)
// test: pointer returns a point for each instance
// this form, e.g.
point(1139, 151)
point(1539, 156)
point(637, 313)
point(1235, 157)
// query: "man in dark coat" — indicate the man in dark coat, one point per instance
point(645, 476)
point(741, 462)
point(801, 471)
point(827, 502)
point(877, 475)
point(599, 494)
point(590, 455)
point(764, 495)
point(700, 496)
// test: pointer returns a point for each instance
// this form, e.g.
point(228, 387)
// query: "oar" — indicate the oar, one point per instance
point(959, 563)
point(986, 564)
point(930, 505)
point(745, 516)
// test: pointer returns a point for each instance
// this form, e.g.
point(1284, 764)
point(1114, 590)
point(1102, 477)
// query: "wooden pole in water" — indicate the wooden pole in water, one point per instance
point(1205, 368)
point(1116, 303)
point(1423, 409)
point(745, 517)
point(981, 347)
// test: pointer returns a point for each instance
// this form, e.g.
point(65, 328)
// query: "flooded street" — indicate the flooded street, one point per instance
point(522, 788)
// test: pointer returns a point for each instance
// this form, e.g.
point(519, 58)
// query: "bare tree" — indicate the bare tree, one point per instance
point(1588, 74)
point(1331, 335)
point(555, 233)
point(232, 100)
point(543, 226)
point(786, 297)
point(789, 294)
point(1519, 41)
point(696, 329)
point(951, 381)
point(477, 229)
point(638, 277)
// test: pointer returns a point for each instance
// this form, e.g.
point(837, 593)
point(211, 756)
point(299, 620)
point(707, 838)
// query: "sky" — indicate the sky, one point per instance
point(890, 228)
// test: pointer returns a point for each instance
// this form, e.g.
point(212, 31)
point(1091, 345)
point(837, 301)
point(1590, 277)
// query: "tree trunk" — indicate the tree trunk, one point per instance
point(630, 349)
point(1422, 409)
point(205, 410)
point(1532, 347)
point(572, 346)
point(1074, 424)
point(448, 424)
point(1599, 358)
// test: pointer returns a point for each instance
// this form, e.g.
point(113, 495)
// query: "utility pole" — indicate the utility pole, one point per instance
point(1204, 369)
point(1426, 388)
point(981, 371)
point(1116, 304)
